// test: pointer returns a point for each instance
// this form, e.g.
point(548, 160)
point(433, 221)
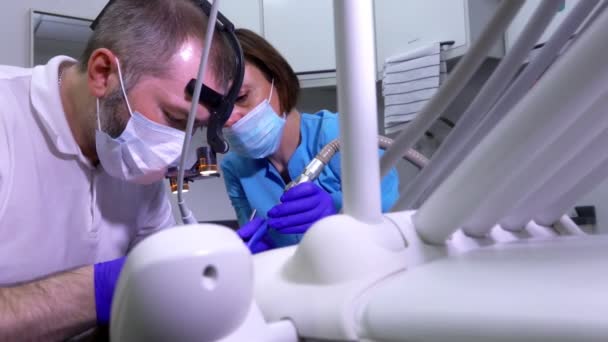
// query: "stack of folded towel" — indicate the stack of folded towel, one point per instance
point(408, 83)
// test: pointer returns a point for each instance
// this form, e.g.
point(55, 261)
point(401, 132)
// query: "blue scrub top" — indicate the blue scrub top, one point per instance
point(256, 184)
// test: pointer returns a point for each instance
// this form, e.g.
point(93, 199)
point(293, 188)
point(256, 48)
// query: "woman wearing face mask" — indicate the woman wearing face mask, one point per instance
point(271, 142)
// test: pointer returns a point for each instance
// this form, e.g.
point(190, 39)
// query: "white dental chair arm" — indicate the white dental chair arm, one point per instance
point(191, 283)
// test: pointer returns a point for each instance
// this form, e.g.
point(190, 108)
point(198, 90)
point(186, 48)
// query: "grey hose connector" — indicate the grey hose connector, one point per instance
point(411, 155)
point(328, 151)
point(314, 168)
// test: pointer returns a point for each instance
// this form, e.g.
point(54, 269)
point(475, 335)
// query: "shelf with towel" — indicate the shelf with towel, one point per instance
point(410, 80)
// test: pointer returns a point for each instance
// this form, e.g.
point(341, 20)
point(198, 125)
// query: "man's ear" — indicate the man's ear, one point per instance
point(102, 64)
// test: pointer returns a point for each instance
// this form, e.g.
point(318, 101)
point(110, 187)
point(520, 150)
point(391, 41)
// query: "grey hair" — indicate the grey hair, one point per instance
point(145, 34)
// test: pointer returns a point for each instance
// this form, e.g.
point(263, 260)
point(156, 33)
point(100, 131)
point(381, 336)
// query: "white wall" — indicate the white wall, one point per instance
point(15, 18)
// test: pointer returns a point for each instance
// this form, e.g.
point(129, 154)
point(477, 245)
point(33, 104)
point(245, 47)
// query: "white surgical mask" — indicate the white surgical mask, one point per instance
point(143, 151)
point(257, 134)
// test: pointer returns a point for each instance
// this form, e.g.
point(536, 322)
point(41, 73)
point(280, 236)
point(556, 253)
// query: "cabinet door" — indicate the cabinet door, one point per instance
point(526, 12)
point(303, 32)
point(243, 13)
point(402, 25)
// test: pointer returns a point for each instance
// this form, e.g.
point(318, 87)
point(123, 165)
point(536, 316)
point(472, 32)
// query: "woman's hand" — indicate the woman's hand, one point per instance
point(300, 207)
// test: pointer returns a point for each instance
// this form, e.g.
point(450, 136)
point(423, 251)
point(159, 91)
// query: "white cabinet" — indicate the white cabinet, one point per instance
point(243, 13)
point(403, 25)
point(303, 32)
point(526, 13)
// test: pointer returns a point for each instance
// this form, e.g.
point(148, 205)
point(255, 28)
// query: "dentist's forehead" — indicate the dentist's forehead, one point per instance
point(185, 65)
point(186, 52)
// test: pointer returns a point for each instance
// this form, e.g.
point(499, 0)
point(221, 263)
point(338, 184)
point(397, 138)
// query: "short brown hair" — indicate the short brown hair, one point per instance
point(259, 52)
point(145, 34)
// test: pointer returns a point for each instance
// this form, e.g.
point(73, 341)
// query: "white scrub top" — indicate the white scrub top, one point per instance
point(57, 210)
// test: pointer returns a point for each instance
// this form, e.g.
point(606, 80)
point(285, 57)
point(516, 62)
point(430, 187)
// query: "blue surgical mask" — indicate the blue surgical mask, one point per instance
point(258, 134)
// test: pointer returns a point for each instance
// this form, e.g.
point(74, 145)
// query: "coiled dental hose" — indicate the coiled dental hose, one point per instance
point(316, 165)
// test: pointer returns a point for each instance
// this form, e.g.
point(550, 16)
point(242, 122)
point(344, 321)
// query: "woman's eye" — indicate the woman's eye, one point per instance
point(241, 98)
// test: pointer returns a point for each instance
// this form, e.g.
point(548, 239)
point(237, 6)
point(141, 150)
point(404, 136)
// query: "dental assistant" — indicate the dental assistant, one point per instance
point(271, 142)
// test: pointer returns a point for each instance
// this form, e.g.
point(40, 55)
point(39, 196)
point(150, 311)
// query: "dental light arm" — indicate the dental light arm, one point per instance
point(314, 168)
point(187, 216)
point(219, 106)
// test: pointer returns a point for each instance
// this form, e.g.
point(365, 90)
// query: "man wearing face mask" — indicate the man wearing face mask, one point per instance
point(84, 146)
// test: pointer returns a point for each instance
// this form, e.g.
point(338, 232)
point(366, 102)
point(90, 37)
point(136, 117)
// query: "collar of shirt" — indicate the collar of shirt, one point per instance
point(47, 105)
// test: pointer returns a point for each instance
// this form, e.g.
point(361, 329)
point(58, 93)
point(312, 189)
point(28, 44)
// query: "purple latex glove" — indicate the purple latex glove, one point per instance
point(300, 207)
point(247, 231)
point(105, 277)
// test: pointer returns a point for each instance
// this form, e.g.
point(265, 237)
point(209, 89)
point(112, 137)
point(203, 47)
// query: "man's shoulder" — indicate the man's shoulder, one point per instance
point(13, 82)
point(9, 72)
point(5, 158)
point(9, 138)
point(10, 107)
point(14, 89)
